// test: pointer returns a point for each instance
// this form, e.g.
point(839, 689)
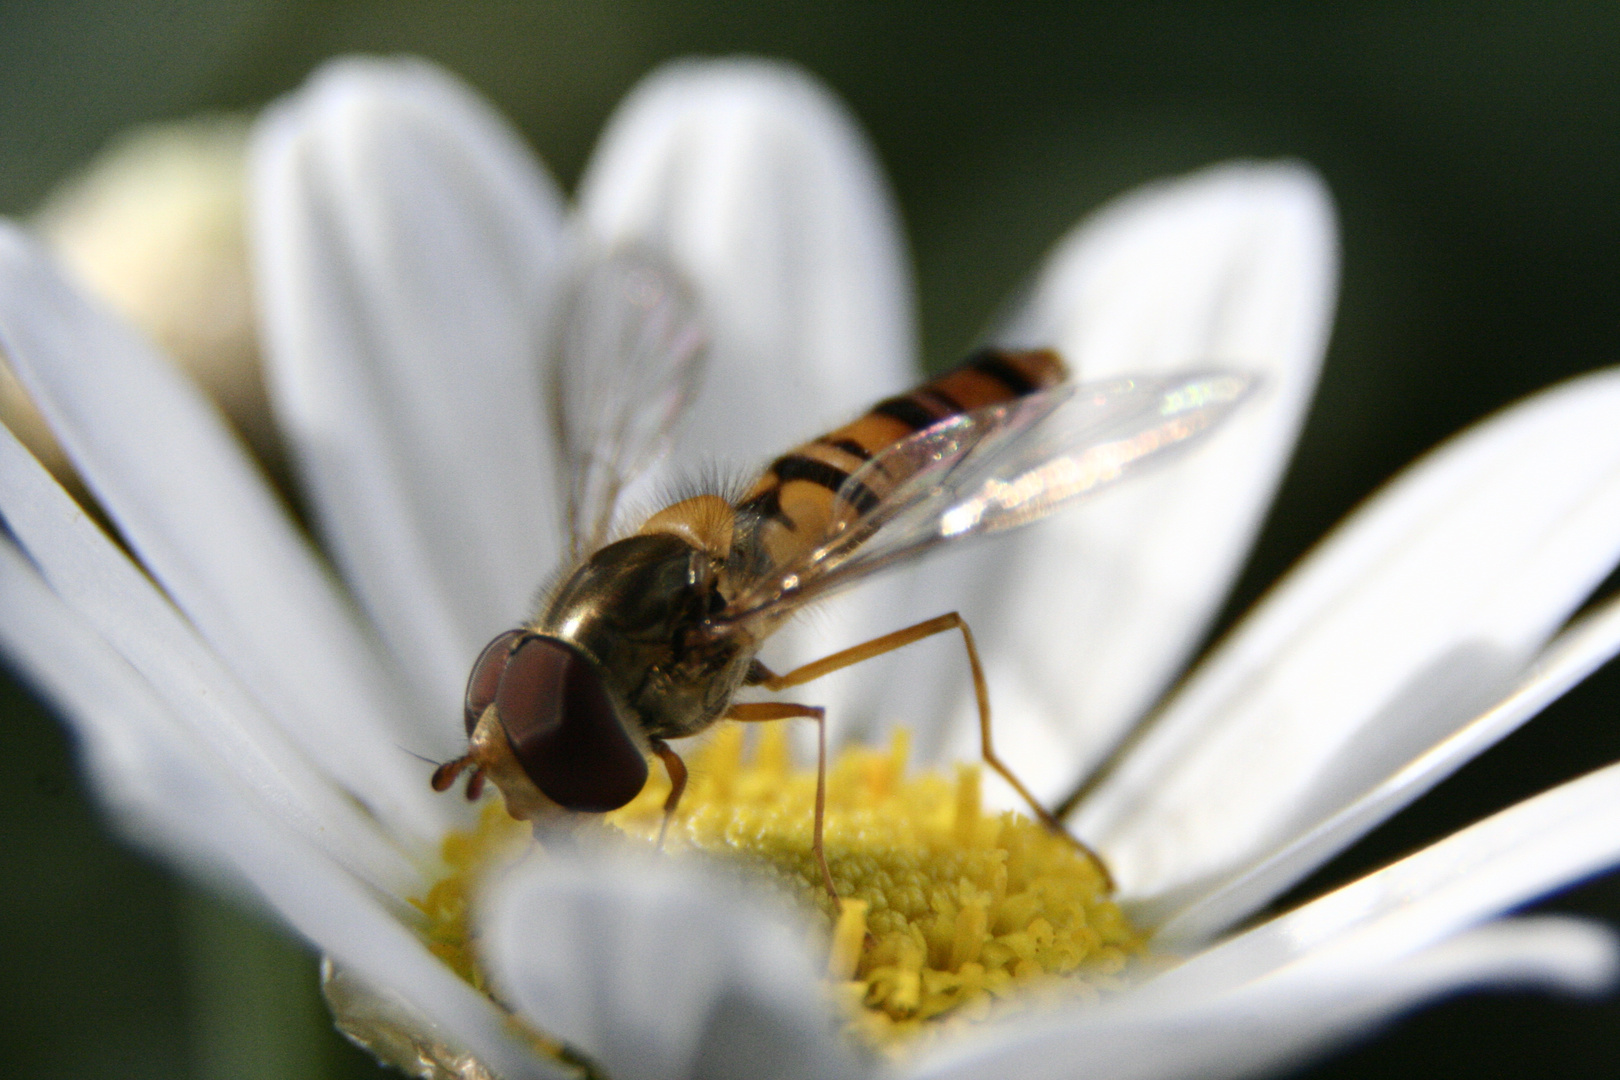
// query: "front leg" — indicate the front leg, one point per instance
point(677, 783)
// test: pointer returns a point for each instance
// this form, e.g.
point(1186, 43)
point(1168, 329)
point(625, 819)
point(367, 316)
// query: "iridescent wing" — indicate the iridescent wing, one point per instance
point(626, 363)
point(993, 469)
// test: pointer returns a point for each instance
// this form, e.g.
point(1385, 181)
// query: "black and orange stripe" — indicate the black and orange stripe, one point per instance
point(795, 495)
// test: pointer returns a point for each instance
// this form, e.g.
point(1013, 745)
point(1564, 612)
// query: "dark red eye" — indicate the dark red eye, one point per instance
point(486, 678)
point(563, 729)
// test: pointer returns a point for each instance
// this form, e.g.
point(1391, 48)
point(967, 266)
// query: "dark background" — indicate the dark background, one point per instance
point(1474, 154)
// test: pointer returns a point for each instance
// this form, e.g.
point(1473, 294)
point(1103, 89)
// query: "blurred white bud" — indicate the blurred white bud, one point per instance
point(155, 226)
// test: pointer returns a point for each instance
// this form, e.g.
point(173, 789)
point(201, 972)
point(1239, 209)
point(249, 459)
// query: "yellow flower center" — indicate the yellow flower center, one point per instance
point(949, 915)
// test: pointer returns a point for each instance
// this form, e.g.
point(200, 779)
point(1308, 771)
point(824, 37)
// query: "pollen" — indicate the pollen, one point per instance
point(948, 915)
point(470, 857)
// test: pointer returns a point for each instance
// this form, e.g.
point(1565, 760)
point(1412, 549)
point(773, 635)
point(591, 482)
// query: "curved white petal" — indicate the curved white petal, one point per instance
point(759, 187)
point(129, 742)
point(186, 498)
point(1419, 611)
point(1273, 1023)
point(406, 248)
point(121, 604)
point(1530, 849)
point(171, 798)
point(660, 972)
point(1587, 644)
point(1089, 616)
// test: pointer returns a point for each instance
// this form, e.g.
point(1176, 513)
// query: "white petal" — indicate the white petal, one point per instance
point(1419, 611)
point(406, 250)
point(130, 743)
point(659, 972)
point(756, 183)
point(1536, 847)
point(168, 797)
point(120, 604)
point(1279, 1022)
point(1586, 645)
point(183, 494)
point(1087, 618)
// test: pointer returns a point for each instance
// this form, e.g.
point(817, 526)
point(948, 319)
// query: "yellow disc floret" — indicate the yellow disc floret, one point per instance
point(497, 840)
point(947, 914)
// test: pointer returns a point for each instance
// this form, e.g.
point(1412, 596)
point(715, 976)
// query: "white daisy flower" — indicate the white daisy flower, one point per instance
point(244, 711)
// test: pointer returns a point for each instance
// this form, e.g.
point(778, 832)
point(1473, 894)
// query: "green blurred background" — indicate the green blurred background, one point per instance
point(1473, 151)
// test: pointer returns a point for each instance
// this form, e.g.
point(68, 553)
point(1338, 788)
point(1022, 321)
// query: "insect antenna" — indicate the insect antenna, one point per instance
point(435, 762)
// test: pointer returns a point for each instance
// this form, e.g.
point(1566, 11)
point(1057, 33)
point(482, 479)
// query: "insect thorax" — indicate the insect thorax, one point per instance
point(636, 607)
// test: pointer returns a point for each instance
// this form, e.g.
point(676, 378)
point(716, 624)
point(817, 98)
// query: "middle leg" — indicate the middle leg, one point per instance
point(749, 712)
point(762, 676)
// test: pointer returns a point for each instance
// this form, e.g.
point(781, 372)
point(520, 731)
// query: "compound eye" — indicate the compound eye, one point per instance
point(563, 730)
point(486, 678)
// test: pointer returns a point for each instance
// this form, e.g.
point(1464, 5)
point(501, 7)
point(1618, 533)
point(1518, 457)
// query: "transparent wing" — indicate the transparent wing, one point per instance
point(627, 359)
point(996, 468)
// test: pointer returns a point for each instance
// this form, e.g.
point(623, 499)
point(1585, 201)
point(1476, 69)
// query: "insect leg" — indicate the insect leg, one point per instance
point(899, 639)
point(677, 783)
point(749, 712)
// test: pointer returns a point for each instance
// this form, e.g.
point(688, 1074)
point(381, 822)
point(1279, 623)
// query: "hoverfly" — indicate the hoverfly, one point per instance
point(647, 638)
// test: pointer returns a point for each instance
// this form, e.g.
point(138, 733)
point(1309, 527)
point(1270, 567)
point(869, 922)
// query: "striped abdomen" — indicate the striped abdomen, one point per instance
point(795, 496)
